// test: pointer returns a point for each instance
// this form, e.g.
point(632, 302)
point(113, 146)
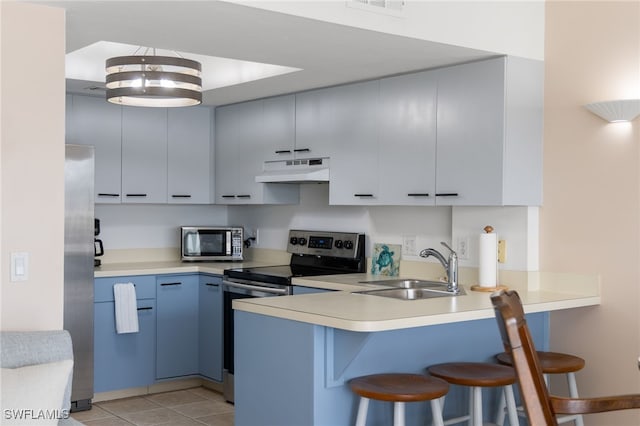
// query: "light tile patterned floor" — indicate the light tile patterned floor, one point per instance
point(189, 407)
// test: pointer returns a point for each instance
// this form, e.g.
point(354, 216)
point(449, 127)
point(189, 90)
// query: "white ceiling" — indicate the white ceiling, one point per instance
point(327, 53)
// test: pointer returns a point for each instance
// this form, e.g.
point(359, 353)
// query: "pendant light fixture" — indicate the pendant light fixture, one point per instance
point(153, 81)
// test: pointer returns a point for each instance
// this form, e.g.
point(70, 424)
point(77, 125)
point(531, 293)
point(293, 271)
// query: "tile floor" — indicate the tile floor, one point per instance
point(189, 407)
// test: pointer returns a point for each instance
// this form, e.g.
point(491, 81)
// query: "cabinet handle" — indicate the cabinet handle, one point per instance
point(181, 196)
point(243, 196)
point(164, 284)
point(302, 150)
point(212, 284)
point(418, 194)
point(228, 196)
point(447, 194)
point(283, 151)
point(363, 195)
point(136, 195)
point(104, 194)
point(148, 308)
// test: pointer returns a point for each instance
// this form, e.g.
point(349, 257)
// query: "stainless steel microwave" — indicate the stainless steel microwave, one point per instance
point(219, 243)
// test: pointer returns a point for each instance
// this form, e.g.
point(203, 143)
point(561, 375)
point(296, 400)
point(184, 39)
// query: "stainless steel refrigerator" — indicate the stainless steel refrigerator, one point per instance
point(78, 268)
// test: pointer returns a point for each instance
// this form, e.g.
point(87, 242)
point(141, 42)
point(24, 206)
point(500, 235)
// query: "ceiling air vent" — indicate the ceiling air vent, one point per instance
point(387, 7)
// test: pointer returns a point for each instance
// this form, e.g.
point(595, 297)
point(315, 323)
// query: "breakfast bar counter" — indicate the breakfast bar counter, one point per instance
point(294, 355)
point(344, 307)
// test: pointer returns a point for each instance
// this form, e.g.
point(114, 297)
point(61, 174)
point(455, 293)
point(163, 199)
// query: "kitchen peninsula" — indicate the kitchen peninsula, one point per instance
point(294, 355)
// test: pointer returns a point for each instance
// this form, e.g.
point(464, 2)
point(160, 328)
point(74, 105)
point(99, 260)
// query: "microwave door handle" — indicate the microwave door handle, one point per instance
point(271, 290)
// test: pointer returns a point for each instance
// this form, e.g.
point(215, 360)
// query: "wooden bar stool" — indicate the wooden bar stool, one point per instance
point(399, 388)
point(556, 363)
point(478, 375)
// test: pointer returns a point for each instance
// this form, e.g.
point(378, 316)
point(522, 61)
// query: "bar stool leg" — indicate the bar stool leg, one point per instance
point(573, 393)
point(398, 414)
point(502, 406)
point(511, 406)
point(363, 406)
point(436, 412)
point(477, 406)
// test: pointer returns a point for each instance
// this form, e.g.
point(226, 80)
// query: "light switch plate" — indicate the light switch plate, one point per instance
point(19, 266)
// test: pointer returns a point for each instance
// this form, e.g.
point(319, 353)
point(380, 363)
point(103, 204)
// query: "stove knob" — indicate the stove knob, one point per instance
point(302, 241)
point(293, 241)
point(338, 244)
point(348, 245)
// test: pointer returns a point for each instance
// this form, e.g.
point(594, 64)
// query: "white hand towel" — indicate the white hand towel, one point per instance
point(126, 308)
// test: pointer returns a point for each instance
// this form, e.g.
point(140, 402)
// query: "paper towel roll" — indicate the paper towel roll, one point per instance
point(488, 264)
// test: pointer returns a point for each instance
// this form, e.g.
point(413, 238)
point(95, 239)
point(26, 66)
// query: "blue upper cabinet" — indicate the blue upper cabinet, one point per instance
point(177, 324)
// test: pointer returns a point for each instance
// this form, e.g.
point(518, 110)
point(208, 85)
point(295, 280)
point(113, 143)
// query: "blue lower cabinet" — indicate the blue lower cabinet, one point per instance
point(124, 360)
point(177, 325)
point(210, 331)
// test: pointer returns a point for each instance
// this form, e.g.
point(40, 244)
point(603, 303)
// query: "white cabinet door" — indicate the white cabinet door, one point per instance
point(354, 167)
point(94, 121)
point(250, 152)
point(144, 155)
point(408, 139)
point(471, 109)
point(315, 123)
point(240, 151)
point(279, 127)
point(190, 156)
point(226, 149)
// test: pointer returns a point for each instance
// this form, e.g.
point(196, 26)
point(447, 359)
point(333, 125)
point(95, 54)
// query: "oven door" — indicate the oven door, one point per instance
point(240, 289)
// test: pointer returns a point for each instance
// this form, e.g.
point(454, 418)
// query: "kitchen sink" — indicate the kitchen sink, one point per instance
point(409, 283)
point(410, 289)
point(410, 293)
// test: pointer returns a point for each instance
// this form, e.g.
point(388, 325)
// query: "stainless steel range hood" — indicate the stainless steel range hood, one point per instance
point(307, 170)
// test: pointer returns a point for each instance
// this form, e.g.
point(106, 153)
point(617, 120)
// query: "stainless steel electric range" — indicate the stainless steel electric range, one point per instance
point(313, 253)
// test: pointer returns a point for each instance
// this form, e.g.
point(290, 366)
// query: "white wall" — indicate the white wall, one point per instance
point(386, 224)
point(151, 226)
point(482, 25)
point(32, 170)
point(590, 222)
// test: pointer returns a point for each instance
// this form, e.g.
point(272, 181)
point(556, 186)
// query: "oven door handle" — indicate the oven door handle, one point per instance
point(264, 289)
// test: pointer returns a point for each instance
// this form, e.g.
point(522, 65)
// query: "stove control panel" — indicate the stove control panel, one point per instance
point(325, 243)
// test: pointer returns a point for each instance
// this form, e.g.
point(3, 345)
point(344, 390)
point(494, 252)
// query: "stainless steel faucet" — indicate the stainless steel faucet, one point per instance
point(451, 266)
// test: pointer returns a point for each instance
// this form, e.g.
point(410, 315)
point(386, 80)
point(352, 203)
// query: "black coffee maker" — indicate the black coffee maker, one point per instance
point(97, 244)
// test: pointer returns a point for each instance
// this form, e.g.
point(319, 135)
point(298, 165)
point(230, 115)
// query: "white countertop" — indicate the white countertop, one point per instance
point(540, 292)
point(169, 267)
point(360, 312)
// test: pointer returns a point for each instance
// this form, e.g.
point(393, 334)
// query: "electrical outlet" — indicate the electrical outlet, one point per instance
point(463, 248)
point(502, 251)
point(409, 245)
point(256, 235)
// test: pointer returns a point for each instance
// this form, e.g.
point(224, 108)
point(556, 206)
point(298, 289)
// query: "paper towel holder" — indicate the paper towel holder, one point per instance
point(477, 287)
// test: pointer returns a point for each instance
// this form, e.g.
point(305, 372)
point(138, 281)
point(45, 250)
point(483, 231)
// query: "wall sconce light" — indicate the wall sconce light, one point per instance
point(616, 111)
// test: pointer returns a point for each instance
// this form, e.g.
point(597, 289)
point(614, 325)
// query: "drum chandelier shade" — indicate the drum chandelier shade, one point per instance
point(153, 81)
